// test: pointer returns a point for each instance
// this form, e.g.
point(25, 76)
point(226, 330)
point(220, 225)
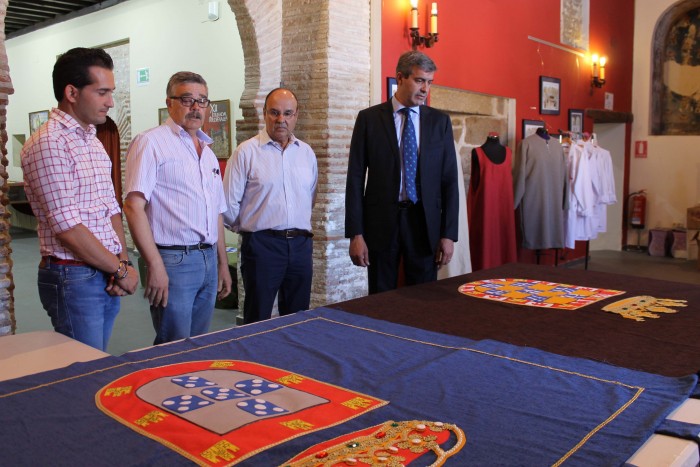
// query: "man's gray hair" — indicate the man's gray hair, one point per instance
point(183, 77)
point(414, 58)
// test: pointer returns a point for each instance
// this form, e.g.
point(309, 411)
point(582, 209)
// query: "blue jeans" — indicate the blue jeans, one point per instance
point(192, 288)
point(75, 299)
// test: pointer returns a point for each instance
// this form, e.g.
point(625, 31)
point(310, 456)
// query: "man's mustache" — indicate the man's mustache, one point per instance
point(194, 115)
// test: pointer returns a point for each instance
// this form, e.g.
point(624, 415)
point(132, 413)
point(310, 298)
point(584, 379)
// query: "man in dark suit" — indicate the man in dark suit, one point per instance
point(402, 198)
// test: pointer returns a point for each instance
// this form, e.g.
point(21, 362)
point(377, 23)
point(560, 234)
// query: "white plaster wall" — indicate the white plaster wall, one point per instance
point(165, 35)
point(671, 172)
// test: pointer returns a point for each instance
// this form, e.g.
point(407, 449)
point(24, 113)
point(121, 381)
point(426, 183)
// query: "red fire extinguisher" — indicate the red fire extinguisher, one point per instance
point(638, 208)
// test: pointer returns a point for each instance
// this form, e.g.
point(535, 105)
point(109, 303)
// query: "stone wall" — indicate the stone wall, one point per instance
point(7, 305)
point(473, 116)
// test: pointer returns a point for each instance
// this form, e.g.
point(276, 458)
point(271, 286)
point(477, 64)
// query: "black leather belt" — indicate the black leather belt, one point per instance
point(198, 246)
point(289, 233)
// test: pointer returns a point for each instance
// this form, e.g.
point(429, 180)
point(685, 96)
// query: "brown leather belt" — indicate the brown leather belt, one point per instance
point(46, 260)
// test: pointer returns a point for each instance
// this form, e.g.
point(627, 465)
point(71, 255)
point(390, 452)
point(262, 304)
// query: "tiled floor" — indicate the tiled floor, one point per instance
point(133, 328)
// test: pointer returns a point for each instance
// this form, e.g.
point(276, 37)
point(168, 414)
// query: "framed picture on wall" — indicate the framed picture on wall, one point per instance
point(391, 86)
point(36, 119)
point(162, 115)
point(576, 120)
point(550, 91)
point(218, 127)
point(531, 126)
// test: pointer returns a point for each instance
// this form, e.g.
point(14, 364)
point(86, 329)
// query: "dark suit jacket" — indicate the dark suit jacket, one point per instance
point(372, 209)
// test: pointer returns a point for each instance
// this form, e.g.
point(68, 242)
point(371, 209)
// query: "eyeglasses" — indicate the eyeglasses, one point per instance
point(286, 114)
point(189, 101)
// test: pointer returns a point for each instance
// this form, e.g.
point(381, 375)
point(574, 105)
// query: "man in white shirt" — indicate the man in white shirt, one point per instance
point(270, 187)
point(173, 206)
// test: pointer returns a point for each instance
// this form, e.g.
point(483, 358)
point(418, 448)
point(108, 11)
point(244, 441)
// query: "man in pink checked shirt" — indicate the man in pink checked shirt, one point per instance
point(67, 173)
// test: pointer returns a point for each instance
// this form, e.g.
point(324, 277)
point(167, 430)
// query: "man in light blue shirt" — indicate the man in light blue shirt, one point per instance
point(270, 187)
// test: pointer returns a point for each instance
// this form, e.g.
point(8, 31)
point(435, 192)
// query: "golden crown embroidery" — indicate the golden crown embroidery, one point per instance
point(644, 306)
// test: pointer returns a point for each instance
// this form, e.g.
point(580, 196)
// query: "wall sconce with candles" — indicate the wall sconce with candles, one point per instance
point(432, 37)
point(598, 70)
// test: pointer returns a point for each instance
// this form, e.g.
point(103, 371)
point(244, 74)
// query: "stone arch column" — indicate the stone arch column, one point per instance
point(7, 301)
point(321, 50)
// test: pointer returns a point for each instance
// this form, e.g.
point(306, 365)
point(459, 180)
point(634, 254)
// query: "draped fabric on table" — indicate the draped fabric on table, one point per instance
point(516, 405)
point(667, 345)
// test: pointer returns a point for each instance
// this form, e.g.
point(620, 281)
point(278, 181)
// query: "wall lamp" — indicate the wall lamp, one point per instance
point(432, 37)
point(598, 70)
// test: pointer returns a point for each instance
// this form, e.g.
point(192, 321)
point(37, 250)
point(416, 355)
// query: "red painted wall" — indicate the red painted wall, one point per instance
point(484, 47)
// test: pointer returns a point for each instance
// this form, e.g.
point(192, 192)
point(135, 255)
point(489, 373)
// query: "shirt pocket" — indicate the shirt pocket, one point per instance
point(171, 171)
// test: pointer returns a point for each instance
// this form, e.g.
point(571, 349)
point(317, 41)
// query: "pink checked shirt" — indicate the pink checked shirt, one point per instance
point(68, 181)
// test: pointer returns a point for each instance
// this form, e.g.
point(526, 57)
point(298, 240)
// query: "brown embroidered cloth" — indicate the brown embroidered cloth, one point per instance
point(669, 345)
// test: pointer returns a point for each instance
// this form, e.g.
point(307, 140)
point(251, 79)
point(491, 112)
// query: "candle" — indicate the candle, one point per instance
point(414, 14)
point(603, 60)
point(594, 60)
point(433, 19)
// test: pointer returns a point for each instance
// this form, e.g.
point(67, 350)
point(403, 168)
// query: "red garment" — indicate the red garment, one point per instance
point(491, 213)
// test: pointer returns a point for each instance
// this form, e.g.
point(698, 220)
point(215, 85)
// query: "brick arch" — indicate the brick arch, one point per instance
point(260, 27)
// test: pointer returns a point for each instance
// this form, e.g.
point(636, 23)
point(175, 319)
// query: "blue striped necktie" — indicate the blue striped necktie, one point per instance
point(409, 151)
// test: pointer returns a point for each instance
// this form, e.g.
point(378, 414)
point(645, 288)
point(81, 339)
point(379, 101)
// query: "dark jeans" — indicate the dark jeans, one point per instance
point(271, 264)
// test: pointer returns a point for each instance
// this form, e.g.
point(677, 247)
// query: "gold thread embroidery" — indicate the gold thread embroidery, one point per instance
point(357, 403)
point(382, 447)
point(151, 417)
point(222, 364)
point(222, 450)
point(643, 306)
point(298, 425)
point(116, 392)
point(291, 379)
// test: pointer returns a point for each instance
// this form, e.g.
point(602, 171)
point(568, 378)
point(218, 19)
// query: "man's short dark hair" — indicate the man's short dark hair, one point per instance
point(412, 58)
point(73, 66)
point(183, 77)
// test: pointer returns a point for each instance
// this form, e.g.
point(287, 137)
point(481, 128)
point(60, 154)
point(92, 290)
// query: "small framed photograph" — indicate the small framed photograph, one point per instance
point(36, 119)
point(391, 86)
point(550, 91)
point(576, 121)
point(531, 126)
point(162, 115)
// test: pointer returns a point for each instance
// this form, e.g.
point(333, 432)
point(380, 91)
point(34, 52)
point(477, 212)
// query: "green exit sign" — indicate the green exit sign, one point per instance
point(143, 76)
